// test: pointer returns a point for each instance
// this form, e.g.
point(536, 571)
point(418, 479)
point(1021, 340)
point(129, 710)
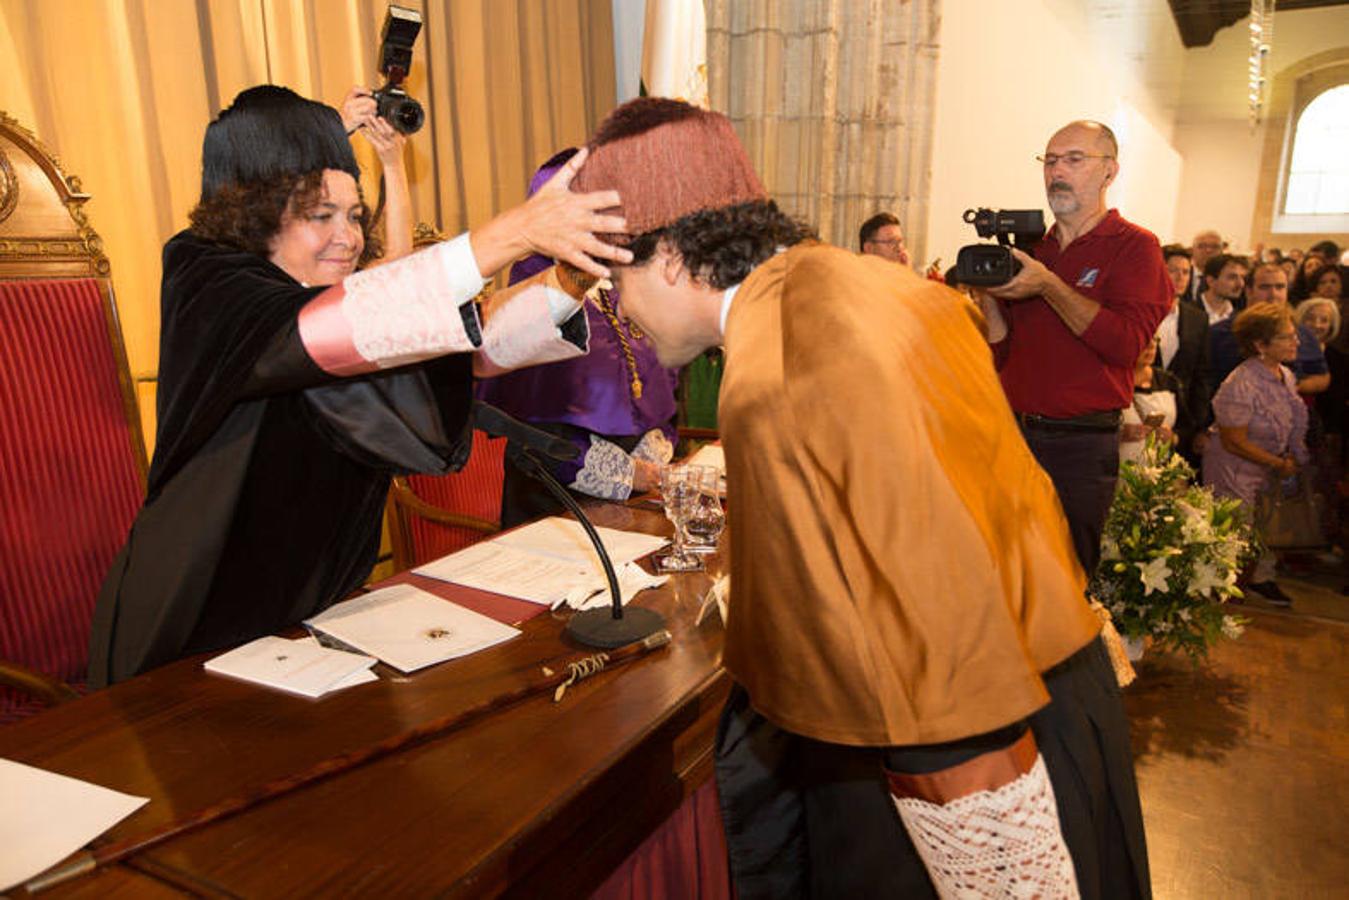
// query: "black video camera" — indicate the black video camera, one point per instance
point(401, 27)
point(987, 265)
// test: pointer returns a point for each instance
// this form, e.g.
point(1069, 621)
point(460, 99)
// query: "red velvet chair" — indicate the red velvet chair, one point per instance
point(72, 459)
point(430, 516)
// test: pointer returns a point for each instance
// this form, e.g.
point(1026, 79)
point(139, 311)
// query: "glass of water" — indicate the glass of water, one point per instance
point(707, 519)
point(679, 492)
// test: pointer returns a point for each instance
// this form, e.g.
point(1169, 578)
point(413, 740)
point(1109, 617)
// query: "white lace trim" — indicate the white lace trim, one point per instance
point(607, 473)
point(654, 447)
point(408, 309)
point(1001, 843)
point(520, 330)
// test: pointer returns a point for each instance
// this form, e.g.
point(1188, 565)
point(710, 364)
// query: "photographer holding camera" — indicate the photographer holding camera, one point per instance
point(360, 113)
point(1067, 328)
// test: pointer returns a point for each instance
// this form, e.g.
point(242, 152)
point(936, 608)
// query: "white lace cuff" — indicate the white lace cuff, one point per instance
point(400, 312)
point(607, 471)
point(654, 447)
point(999, 843)
point(520, 330)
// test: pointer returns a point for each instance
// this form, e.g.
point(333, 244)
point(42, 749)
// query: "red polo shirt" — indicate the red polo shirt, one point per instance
point(1049, 371)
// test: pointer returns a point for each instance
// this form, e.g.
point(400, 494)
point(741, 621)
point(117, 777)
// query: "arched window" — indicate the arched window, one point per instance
point(1318, 168)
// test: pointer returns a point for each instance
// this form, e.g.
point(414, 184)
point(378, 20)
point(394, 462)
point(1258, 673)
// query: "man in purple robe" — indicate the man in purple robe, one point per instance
point(616, 403)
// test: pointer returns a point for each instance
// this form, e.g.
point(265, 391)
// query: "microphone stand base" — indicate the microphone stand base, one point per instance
point(599, 628)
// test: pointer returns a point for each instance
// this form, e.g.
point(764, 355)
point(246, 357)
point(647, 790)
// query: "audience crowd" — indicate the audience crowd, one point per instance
point(1237, 421)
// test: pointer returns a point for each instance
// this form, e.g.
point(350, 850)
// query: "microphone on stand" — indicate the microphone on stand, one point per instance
point(605, 628)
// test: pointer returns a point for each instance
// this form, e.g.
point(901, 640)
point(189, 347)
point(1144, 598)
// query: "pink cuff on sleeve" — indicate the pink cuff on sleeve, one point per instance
point(326, 334)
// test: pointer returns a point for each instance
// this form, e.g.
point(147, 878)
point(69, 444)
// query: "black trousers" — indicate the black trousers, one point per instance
point(805, 818)
point(1084, 466)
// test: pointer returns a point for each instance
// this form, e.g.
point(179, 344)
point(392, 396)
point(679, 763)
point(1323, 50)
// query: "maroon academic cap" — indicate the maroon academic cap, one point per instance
point(667, 159)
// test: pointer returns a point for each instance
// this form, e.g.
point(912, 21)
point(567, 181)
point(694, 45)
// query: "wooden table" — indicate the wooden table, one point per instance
point(542, 799)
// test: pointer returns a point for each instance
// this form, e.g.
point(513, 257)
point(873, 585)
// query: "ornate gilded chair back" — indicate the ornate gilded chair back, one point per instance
point(72, 458)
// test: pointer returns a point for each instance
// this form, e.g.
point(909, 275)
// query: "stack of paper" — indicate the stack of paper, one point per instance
point(408, 628)
point(360, 676)
point(45, 817)
point(296, 667)
point(546, 562)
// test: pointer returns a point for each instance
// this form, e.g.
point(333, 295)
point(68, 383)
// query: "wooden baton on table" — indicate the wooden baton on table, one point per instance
point(557, 682)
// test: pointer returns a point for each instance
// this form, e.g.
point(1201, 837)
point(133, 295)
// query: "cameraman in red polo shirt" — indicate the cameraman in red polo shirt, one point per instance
point(1067, 329)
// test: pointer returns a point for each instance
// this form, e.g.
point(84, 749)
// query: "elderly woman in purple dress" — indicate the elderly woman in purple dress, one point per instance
point(616, 403)
point(1261, 421)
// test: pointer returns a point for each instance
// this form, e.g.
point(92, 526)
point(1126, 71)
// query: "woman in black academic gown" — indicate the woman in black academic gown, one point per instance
point(291, 386)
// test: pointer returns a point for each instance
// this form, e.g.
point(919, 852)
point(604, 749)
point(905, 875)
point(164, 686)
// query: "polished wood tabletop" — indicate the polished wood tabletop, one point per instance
point(542, 798)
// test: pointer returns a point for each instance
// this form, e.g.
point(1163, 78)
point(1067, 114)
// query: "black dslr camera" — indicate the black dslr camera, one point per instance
point(401, 27)
point(987, 265)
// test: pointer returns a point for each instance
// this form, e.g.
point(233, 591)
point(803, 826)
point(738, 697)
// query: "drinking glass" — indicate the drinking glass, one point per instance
point(706, 521)
point(679, 492)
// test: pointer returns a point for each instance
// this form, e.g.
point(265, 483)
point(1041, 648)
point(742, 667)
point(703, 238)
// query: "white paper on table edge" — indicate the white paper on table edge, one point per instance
point(119, 805)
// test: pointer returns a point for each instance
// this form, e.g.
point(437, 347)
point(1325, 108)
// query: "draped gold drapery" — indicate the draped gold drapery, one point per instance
point(122, 90)
point(834, 102)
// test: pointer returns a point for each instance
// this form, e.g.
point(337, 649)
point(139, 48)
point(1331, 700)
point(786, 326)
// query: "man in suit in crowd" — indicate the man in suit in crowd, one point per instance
point(1224, 286)
point(1183, 351)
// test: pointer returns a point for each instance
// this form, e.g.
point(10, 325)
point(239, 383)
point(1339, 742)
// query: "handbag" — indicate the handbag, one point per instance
point(1288, 518)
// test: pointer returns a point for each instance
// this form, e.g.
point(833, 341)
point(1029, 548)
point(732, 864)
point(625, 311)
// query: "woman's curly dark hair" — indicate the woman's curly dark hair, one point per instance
point(720, 247)
point(248, 216)
point(1327, 271)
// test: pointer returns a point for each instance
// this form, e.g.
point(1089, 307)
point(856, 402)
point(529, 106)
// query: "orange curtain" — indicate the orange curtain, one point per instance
point(121, 91)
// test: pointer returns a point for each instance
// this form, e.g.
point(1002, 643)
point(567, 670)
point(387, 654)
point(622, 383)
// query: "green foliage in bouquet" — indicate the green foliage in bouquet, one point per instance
point(1170, 555)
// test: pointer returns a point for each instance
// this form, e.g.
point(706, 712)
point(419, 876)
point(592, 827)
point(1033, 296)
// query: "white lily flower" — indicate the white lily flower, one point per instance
point(1154, 575)
point(1207, 578)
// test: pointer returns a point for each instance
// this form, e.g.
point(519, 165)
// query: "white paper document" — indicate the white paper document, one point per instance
point(566, 539)
point(408, 628)
point(360, 676)
point(296, 667)
point(546, 562)
point(489, 566)
point(45, 817)
point(710, 455)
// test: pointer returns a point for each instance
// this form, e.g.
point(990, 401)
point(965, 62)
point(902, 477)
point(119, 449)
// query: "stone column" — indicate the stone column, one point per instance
point(834, 102)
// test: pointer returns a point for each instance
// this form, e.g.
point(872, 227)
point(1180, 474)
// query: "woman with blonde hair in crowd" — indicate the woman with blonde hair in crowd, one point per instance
point(1261, 422)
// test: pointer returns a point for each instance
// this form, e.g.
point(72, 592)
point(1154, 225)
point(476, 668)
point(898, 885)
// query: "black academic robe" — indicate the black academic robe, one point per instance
point(267, 486)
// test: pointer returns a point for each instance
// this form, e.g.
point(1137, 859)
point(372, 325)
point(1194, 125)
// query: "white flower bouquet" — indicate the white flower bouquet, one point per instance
point(1170, 555)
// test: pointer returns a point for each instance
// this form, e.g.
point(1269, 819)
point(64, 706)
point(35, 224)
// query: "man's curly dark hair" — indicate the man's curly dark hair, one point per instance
point(720, 247)
point(248, 216)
